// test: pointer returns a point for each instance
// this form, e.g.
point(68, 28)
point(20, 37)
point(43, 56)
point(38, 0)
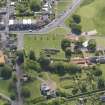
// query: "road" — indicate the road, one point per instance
point(56, 22)
point(51, 26)
point(18, 84)
point(20, 41)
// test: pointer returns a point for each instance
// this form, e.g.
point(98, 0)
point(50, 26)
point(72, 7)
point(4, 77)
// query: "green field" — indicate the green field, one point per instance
point(99, 40)
point(63, 5)
point(2, 102)
point(92, 15)
point(4, 85)
point(50, 40)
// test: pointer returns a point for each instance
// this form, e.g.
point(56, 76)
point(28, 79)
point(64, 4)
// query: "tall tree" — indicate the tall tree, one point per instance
point(92, 45)
point(68, 53)
point(101, 83)
point(6, 71)
point(44, 61)
point(20, 57)
point(65, 43)
point(76, 18)
point(76, 28)
point(35, 6)
point(32, 55)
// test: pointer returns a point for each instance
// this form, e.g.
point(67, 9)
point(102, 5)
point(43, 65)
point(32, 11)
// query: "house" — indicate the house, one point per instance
point(102, 98)
point(80, 61)
point(11, 22)
point(2, 58)
point(97, 59)
point(72, 37)
point(47, 91)
point(27, 21)
point(12, 3)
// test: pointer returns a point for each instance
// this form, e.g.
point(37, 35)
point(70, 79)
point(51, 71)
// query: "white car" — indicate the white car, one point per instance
point(30, 30)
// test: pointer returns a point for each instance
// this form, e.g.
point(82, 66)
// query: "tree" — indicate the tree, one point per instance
point(82, 39)
point(25, 92)
point(76, 18)
point(76, 29)
point(20, 57)
point(32, 55)
point(6, 72)
point(92, 45)
point(65, 43)
point(13, 96)
point(74, 91)
point(68, 53)
point(72, 69)
point(35, 6)
point(101, 83)
point(96, 71)
point(21, 8)
point(33, 65)
point(83, 88)
point(59, 68)
point(44, 61)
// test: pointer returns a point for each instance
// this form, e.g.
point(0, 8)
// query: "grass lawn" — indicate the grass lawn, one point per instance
point(92, 15)
point(63, 5)
point(4, 84)
point(2, 102)
point(34, 88)
point(100, 41)
point(50, 40)
point(103, 70)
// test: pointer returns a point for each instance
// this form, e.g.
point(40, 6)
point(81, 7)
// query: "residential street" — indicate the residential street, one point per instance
point(56, 22)
point(51, 26)
point(20, 35)
point(18, 72)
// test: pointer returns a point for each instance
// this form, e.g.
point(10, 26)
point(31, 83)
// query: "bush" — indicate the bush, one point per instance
point(38, 99)
point(32, 65)
point(76, 18)
point(6, 72)
point(25, 92)
point(62, 68)
point(13, 96)
point(62, 93)
point(65, 43)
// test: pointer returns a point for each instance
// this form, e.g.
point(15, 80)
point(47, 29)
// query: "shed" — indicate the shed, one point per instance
point(12, 4)
point(24, 21)
point(85, 44)
point(11, 22)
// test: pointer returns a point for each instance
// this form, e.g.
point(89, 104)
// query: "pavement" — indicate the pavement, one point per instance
point(20, 41)
point(18, 84)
